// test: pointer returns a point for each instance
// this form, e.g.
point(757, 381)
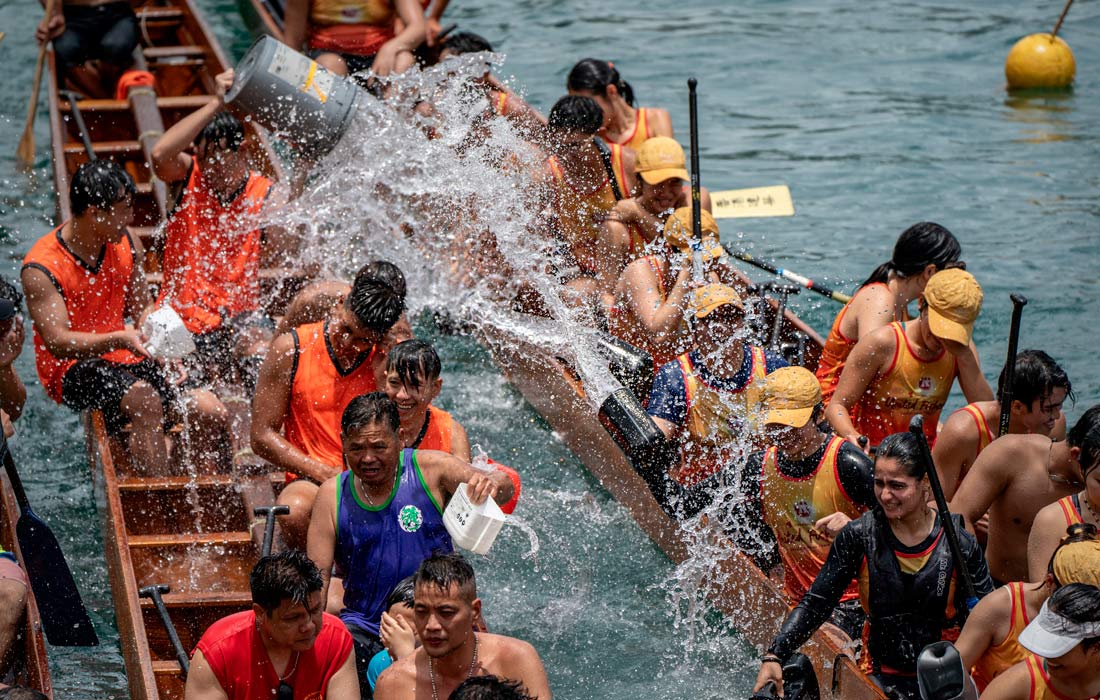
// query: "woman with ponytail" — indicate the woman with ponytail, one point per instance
point(623, 123)
point(921, 251)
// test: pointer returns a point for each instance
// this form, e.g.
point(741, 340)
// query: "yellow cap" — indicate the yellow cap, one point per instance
point(709, 297)
point(659, 159)
point(1078, 562)
point(678, 233)
point(954, 301)
point(790, 395)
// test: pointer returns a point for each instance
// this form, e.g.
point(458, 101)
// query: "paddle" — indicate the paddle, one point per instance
point(1019, 301)
point(916, 427)
point(74, 109)
point(154, 592)
point(25, 152)
point(696, 201)
point(269, 513)
point(752, 203)
point(791, 276)
point(63, 615)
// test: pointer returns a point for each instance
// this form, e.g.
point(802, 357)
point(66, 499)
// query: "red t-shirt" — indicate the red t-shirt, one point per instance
point(237, 656)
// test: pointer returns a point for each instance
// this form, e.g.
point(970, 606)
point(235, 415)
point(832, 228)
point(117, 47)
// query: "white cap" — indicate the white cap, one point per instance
point(1050, 635)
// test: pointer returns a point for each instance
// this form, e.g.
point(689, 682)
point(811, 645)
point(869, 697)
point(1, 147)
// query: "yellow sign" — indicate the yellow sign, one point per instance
point(752, 203)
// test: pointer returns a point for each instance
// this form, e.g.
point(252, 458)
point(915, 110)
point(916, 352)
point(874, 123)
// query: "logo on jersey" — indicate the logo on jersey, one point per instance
point(410, 518)
point(925, 384)
point(804, 512)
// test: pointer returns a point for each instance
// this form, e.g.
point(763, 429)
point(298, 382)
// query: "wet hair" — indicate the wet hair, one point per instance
point(375, 302)
point(575, 113)
point(490, 688)
point(466, 42)
point(402, 593)
point(1085, 434)
point(444, 570)
point(10, 292)
point(1037, 376)
point(594, 75)
point(917, 247)
point(365, 409)
point(414, 361)
point(1079, 603)
point(100, 184)
point(225, 132)
point(387, 272)
point(1078, 532)
point(905, 448)
point(288, 575)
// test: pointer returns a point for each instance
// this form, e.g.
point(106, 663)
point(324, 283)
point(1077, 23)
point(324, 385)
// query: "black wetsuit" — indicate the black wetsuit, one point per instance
point(905, 611)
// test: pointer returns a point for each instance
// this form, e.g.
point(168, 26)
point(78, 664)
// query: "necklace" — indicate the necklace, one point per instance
point(366, 491)
point(1088, 506)
point(431, 669)
point(1058, 478)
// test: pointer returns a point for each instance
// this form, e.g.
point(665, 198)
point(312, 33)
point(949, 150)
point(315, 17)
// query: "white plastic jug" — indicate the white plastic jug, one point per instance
point(167, 336)
point(472, 527)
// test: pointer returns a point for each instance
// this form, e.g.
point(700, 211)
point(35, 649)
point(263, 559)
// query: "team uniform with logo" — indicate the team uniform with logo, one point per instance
point(580, 214)
point(1000, 657)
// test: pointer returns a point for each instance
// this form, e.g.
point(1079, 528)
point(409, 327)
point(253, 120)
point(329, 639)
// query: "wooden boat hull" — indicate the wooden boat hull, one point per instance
point(34, 670)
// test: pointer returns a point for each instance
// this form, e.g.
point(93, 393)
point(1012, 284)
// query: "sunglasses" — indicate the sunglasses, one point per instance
point(284, 692)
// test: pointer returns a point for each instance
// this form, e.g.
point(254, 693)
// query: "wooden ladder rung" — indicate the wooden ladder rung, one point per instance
point(106, 147)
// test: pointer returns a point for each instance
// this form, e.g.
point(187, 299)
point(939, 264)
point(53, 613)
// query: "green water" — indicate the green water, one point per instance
point(876, 115)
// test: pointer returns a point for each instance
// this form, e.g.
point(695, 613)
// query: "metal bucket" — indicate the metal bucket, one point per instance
point(288, 93)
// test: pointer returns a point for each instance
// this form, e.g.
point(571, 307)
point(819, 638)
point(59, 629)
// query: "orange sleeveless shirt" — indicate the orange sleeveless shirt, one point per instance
point(836, 350)
point(1041, 688)
point(319, 393)
point(580, 214)
point(439, 432)
point(985, 433)
point(641, 131)
point(908, 387)
point(358, 27)
point(95, 298)
point(792, 506)
point(998, 659)
point(212, 253)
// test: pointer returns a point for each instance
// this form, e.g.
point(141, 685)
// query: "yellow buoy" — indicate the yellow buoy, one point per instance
point(1040, 61)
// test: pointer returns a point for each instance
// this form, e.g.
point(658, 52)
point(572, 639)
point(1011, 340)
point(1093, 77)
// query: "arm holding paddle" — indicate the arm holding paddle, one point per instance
point(52, 25)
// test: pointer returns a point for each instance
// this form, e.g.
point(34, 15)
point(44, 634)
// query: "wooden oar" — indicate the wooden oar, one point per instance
point(752, 203)
point(792, 276)
point(696, 201)
point(63, 615)
point(1019, 301)
point(24, 154)
point(916, 427)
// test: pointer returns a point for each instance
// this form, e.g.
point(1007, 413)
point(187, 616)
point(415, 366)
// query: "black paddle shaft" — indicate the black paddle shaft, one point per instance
point(269, 513)
point(696, 201)
point(78, 118)
point(916, 427)
point(1019, 301)
point(64, 618)
point(154, 592)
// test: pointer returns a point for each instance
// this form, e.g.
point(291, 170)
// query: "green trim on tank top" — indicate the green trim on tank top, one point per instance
point(423, 483)
point(393, 492)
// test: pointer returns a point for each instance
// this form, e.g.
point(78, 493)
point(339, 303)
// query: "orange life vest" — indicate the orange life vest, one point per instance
point(792, 506)
point(212, 253)
point(909, 386)
point(319, 393)
point(358, 27)
point(580, 214)
point(641, 131)
point(1008, 653)
point(95, 298)
point(1041, 688)
point(835, 351)
point(439, 432)
point(718, 420)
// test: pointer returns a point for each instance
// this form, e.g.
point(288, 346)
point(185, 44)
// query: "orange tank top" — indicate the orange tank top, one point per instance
point(623, 323)
point(641, 130)
point(1070, 511)
point(438, 431)
point(580, 214)
point(95, 298)
point(836, 350)
point(358, 27)
point(319, 393)
point(985, 433)
point(1041, 688)
point(1008, 653)
point(212, 253)
point(909, 386)
point(792, 506)
point(499, 101)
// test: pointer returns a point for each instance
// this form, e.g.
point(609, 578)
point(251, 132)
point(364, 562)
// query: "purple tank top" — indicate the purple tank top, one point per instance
point(376, 547)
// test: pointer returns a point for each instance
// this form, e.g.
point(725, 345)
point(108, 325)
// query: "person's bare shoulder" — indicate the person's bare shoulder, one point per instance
point(399, 680)
point(1015, 454)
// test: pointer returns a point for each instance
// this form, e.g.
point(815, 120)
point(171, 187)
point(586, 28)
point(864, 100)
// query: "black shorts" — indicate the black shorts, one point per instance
point(107, 32)
point(99, 384)
point(355, 62)
point(366, 646)
point(216, 351)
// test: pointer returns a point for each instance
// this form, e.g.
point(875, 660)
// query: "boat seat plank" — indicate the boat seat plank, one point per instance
point(160, 53)
point(243, 599)
point(169, 483)
point(189, 539)
point(159, 13)
point(105, 148)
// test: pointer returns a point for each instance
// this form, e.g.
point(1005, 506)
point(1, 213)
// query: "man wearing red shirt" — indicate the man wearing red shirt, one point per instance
point(286, 647)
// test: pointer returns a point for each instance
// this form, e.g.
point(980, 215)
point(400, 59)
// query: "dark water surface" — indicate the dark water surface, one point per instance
point(877, 115)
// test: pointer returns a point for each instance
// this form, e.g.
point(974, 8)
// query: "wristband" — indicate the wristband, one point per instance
point(771, 659)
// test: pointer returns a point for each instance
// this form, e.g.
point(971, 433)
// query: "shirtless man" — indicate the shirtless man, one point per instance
point(1039, 389)
point(445, 608)
point(413, 383)
point(1012, 480)
point(1082, 507)
point(84, 30)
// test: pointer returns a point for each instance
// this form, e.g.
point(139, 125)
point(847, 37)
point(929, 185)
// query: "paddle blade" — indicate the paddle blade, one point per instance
point(24, 154)
point(755, 202)
point(63, 615)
